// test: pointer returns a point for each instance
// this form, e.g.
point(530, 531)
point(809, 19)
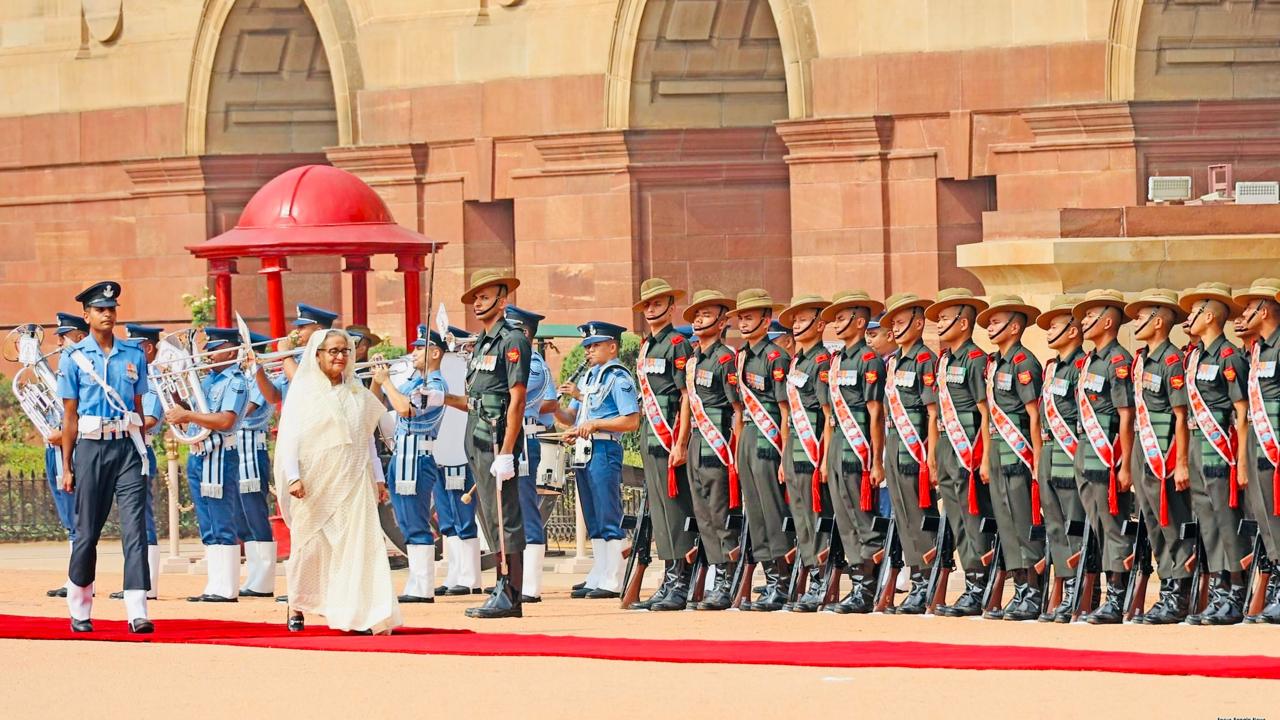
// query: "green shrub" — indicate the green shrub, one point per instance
point(21, 458)
point(202, 307)
point(627, 355)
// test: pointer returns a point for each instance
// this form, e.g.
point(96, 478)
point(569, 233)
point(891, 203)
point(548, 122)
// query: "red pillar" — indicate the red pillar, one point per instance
point(359, 268)
point(221, 270)
point(274, 269)
point(411, 266)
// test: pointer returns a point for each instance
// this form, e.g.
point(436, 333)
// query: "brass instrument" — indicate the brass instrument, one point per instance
point(402, 364)
point(176, 378)
point(35, 385)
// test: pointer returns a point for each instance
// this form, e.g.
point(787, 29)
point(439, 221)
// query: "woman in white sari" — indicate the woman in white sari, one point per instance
point(330, 483)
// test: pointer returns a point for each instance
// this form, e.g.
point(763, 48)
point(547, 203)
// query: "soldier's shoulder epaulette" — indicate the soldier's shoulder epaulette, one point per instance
point(773, 355)
point(726, 358)
point(871, 355)
point(975, 354)
point(1020, 357)
point(1228, 351)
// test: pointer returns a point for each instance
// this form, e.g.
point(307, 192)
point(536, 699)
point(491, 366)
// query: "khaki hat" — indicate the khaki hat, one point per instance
point(364, 332)
point(1059, 305)
point(1098, 298)
point(950, 297)
point(1157, 297)
point(704, 298)
point(1209, 291)
point(851, 299)
point(1266, 288)
point(902, 301)
point(1011, 304)
point(485, 277)
point(655, 288)
point(754, 299)
point(802, 302)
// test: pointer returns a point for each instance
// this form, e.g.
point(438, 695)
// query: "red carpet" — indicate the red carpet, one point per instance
point(852, 654)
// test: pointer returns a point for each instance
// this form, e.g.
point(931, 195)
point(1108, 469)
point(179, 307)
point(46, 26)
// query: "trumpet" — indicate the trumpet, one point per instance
point(177, 380)
point(35, 385)
point(364, 370)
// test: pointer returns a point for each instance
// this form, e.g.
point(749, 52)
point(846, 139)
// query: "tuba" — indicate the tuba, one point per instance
point(35, 384)
point(175, 378)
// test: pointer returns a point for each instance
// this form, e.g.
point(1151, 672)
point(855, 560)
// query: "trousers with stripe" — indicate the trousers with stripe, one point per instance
point(454, 517)
point(530, 503)
point(600, 491)
point(217, 517)
point(253, 523)
point(63, 502)
point(412, 478)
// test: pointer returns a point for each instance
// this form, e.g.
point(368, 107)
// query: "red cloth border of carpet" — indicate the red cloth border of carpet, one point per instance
point(845, 654)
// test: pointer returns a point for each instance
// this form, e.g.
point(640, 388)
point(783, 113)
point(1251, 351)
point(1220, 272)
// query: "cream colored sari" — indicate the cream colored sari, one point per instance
point(338, 559)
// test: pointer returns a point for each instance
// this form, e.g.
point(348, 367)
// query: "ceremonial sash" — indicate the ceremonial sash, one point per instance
point(1014, 438)
point(756, 411)
point(852, 433)
point(906, 431)
point(969, 453)
point(1058, 426)
point(653, 413)
point(1262, 427)
point(711, 434)
point(1105, 449)
point(1209, 426)
point(805, 434)
point(117, 403)
point(1161, 464)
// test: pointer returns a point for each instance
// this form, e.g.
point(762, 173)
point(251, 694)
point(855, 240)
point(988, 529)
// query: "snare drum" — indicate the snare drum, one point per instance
point(553, 468)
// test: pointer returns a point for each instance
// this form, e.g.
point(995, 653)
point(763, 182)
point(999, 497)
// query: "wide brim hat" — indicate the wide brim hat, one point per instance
point(1009, 304)
point(1098, 298)
point(364, 332)
point(1261, 289)
point(950, 297)
point(706, 298)
point(902, 301)
point(1059, 305)
point(1209, 291)
point(851, 299)
point(1156, 297)
point(801, 302)
point(754, 299)
point(655, 288)
point(485, 277)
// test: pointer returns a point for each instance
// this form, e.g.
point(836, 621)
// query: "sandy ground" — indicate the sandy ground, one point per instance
point(331, 684)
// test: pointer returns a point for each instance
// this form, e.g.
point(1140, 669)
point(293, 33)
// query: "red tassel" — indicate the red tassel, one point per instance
point(1164, 503)
point(673, 490)
point(925, 486)
point(817, 492)
point(735, 494)
point(1233, 443)
point(1037, 518)
point(865, 500)
point(1275, 491)
point(1113, 496)
point(973, 493)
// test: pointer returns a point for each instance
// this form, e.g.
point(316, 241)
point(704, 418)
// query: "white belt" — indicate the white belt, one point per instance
point(92, 427)
point(603, 436)
point(533, 427)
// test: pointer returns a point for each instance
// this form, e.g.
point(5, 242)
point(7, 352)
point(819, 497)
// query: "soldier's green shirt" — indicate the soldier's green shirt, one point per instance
point(809, 374)
point(914, 376)
point(1163, 380)
point(860, 377)
point(1268, 359)
point(966, 376)
point(1017, 379)
point(715, 375)
point(1106, 379)
point(500, 362)
point(1061, 386)
point(1222, 375)
point(665, 354)
point(764, 372)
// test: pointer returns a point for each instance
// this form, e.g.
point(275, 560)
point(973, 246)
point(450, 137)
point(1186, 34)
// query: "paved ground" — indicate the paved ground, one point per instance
point(171, 678)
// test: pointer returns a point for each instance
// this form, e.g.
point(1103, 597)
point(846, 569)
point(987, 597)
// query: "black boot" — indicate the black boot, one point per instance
point(1032, 599)
point(1110, 612)
point(1175, 598)
point(775, 588)
point(1161, 605)
point(658, 594)
point(1231, 611)
point(969, 603)
point(816, 593)
point(1271, 612)
point(861, 597)
point(1217, 592)
point(916, 599)
point(1269, 594)
point(505, 600)
point(677, 595)
point(1063, 610)
point(1019, 587)
point(721, 595)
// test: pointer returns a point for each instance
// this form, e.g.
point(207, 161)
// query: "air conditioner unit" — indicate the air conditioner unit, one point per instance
point(1257, 193)
point(1170, 188)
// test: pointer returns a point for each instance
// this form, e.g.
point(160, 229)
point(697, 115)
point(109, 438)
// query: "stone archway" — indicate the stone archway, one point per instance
point(791, 30)
point(332, 53)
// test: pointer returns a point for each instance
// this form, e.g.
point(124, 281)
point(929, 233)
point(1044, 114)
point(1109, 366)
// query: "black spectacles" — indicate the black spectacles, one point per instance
point(337, 352)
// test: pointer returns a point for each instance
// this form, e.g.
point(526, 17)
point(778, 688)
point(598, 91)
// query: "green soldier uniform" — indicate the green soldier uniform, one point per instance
point(1056, 474)
point(660, 367)
point(715, 380)
point(1219, 372)
point(857, 374)
point(1264, 357)
point(911, 371)
point(1161, 381)
point(1017, 383)
point(763, 373)
point(499, 363)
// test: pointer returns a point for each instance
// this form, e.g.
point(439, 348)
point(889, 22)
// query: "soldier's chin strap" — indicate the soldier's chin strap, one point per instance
point(951, 324)
point(843, 328)
point(1061, 332)
point(671, 302)
point(797, 334)
point(502, 294)
point(1085, 330)
point(764, 318)
point(719, 316)
point(899, 335)
point(1145, 323)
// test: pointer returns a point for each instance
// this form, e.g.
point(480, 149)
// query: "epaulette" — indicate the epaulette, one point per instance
point(773, 355)
point(1227, 351)
point(1080, 364)
point(1172, 359)
point(975, 354)
point(677, 339)
point(924, 357)
point(822, 358)
point(726, 358)
point(1019, 357)
point(1117, 359)
point(871, 355)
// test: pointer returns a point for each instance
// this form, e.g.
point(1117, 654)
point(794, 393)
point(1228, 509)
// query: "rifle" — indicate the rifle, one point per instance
point(941, 559)
point(993, 592)
point(697, 560)
point(832, 560)
point(744, 559)
point(1198, 564)
point(1085, 561)
point(639, 558)
point(1257, 569)
point(1038, 533)
point(1139, 566)
point(890, 560)
point(798, 578)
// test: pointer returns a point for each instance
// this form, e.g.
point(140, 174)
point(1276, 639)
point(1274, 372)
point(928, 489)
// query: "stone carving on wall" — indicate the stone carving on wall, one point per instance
point(1208, 49)
point(708, 63)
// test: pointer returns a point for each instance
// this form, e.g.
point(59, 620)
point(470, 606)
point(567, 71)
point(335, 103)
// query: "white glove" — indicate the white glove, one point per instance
point(435, 398)
point(503, 467)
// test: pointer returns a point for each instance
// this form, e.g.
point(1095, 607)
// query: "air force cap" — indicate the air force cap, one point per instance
point(143, 332)
point(597, 331)
point(101, 294)
point(218, 338)
point(68, 323)
point(524, 318)
point(311, 315)
point(432, 337)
